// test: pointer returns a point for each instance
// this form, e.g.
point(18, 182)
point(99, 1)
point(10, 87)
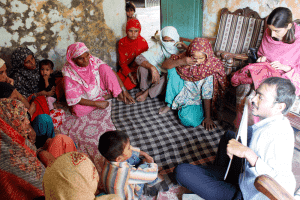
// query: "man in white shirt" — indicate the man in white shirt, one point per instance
point(269, 151)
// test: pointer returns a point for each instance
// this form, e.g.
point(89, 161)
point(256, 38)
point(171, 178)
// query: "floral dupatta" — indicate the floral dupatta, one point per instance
point(21, 173)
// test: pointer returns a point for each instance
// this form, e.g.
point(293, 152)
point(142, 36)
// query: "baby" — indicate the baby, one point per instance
point(123, 169)
point(47, 82)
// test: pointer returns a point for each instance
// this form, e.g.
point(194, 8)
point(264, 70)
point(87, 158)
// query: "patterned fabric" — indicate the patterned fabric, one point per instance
point(163, 136)
point(21, 173)
point(85, 132)
point(123, 179)
point(236, 34)
point(72, 176)
point(286, 54)
point(157, 54)
point(25, 80)
point(58, 117)
point(128, 51)
point(211, 66)
point(258, 71)
point(14, 113)
point(41, 106)
point(91, 82)
point(193, 92)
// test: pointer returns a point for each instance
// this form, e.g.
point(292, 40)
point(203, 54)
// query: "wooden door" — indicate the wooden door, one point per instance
point(185, 15)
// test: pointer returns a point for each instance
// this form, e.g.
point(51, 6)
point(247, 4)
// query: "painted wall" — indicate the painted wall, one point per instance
point(48, 27)
point(212, 9)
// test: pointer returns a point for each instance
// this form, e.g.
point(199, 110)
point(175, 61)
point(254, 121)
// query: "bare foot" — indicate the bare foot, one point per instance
point(164, 110)
point(143, 96)
point(139, 94)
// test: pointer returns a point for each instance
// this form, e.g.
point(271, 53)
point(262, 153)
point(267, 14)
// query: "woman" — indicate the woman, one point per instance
point(21, 172)
point(73, 176)
point(42, 123)
point(280, 45)
point(25, 72)
point(279, 55)
point(194, 77)
point(89, 81)
point(151, 75)
point(129, 48)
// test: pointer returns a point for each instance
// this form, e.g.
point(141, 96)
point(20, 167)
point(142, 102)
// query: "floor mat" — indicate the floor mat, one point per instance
point(163, 136)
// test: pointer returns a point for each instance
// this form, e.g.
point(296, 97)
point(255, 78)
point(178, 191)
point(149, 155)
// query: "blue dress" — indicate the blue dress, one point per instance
point(187, 97)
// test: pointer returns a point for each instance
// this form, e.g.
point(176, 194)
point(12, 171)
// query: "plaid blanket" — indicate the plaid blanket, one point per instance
point(163, 136)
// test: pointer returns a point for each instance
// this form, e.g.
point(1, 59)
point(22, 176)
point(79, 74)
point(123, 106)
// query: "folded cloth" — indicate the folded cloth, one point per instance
point(254, 73)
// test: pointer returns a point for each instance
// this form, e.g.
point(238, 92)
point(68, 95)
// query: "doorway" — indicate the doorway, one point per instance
point(148, 13)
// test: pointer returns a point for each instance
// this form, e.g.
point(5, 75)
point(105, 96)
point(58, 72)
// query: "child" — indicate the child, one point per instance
point(130, 11)
point(47, 82)
point(123, 172)
point(189, 83)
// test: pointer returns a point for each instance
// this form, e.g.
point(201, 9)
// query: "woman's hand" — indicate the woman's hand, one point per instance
point(279, 66)
point(208, 124)
point(189, 61)
point(31, 134)
point(32, 109)
point(126, 97)
point(262, 59)
point(155, 75)
point(10, 81)
point(133, 80)
point(101, 104)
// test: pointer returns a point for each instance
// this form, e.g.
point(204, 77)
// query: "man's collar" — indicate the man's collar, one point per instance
point(267, 120)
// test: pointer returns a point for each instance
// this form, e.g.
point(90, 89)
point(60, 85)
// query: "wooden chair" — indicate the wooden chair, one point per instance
point(238, 31)
point(269, 187)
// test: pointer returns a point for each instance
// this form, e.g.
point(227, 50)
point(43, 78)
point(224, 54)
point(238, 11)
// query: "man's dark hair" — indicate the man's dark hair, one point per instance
point(6, 90)
point(46, 62)
point(280, 18)
point(285, 91)
point(129, 6)
point(112, 144)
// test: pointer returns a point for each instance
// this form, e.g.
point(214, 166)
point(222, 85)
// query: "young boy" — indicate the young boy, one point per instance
point(47, 81)
point(123, 172)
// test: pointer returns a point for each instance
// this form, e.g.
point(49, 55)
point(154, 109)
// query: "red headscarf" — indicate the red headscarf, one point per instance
point(211, 66)
point(130, 49)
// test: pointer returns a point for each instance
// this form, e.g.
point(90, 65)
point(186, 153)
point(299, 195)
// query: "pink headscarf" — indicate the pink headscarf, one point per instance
point(82, 75)
point(286, 54)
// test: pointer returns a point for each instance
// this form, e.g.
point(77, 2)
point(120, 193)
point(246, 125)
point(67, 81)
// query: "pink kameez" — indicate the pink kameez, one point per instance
point(286, 54)
point(91, 82)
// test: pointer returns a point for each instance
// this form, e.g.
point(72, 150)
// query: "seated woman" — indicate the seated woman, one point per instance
point(279, 55)
point(151, 75)
point(89, 81)
point(42, 124)
point(25, 72)
point(129, 48)
point(192, 76)
point(81, 182)
point(21, 172)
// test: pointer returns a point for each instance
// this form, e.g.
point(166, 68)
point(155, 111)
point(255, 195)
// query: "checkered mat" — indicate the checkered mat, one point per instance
point(163, 136)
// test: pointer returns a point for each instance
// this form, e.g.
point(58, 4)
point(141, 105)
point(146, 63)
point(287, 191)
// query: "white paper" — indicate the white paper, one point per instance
point(242, 131)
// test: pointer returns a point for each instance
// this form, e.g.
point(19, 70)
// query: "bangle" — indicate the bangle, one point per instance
point(123, 88)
